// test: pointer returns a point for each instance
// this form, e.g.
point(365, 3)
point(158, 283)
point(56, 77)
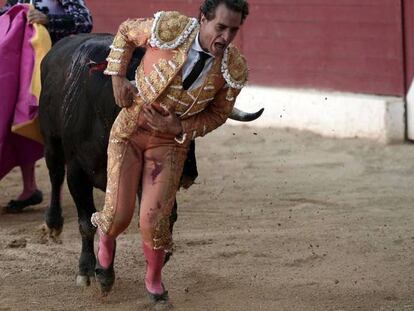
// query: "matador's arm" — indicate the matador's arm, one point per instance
point(131, 34)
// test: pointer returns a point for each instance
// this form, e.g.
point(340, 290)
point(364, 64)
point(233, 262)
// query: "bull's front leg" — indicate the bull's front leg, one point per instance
point(81, 190)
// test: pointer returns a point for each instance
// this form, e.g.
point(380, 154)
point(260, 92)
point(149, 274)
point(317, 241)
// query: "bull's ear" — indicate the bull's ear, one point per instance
point(243, 116)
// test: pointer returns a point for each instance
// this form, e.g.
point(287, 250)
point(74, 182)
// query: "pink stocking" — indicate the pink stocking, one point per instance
point(155, 262)
point(105, 249)
point(29, 181)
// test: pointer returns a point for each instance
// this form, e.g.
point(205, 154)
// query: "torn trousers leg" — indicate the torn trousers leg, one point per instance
point(156, 161)
point(163, 166)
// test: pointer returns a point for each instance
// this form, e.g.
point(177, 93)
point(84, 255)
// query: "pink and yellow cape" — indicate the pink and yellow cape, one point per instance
point(22, 47)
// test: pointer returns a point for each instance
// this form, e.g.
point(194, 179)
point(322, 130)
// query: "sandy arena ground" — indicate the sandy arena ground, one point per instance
point(279, 220)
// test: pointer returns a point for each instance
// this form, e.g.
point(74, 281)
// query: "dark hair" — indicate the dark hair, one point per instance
point(208, 8)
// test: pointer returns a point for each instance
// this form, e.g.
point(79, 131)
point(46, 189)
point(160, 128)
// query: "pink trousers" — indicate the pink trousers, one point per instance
point(154, 162)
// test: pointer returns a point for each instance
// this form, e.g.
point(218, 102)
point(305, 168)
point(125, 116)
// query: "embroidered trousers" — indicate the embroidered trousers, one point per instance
point(144, 158)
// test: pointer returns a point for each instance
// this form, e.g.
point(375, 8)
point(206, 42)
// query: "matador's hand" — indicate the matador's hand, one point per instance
point(162, 121)
point(124, 91)
point(35, 16)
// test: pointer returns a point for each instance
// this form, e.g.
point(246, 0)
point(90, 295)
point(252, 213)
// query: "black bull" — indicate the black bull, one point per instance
point(76, 113)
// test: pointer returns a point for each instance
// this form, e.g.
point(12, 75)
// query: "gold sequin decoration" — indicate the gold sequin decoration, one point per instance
point(170, 26)
point(237, 65)
point(165, 69)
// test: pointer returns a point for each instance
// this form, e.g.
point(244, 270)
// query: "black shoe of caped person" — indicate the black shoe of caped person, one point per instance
point(16, 206)
point(105, 277)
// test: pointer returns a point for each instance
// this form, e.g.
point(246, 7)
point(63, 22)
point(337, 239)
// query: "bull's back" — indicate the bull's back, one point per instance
point(66, 79)
point(72, 90)
point(77, 106)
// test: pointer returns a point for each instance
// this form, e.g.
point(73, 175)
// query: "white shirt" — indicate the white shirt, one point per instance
point(193, 57)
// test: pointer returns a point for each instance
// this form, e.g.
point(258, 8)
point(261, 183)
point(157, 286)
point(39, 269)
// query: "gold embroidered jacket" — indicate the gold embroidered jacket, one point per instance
point(167, 38)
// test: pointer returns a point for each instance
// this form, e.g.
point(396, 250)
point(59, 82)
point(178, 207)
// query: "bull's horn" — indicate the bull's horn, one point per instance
point(239, 115)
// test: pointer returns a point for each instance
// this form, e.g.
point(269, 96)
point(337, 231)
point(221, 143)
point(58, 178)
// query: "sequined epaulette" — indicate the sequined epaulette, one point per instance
point(171, 29)
point(234, 68)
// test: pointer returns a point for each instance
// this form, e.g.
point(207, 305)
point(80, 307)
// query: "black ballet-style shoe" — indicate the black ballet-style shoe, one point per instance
point(159, 298)
point(105, 277)
point(16, 206)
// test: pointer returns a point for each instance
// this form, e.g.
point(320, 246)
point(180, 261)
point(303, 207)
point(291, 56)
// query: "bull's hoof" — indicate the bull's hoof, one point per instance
point(83, 280)
point(52, 234)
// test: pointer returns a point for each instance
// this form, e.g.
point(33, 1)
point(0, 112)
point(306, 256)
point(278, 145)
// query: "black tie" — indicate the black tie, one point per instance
point(195, 72)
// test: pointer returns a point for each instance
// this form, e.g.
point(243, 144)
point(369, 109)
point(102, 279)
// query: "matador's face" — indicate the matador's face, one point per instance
point(216, 34)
